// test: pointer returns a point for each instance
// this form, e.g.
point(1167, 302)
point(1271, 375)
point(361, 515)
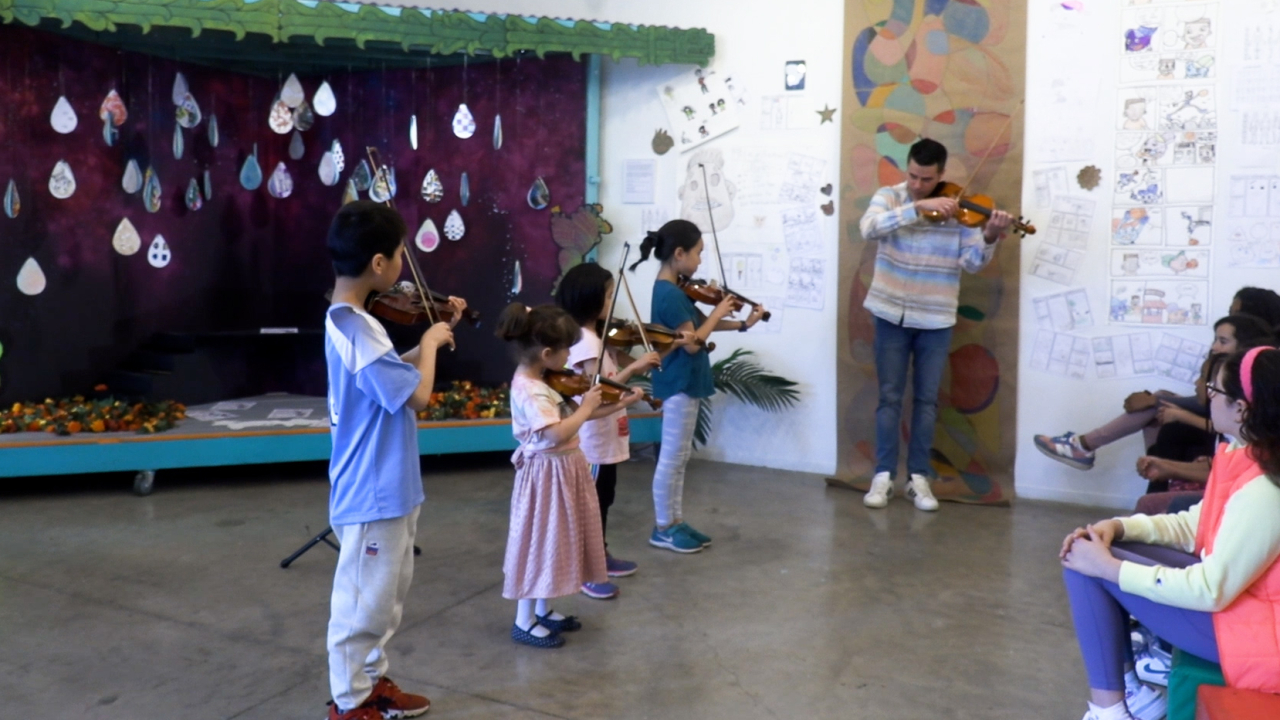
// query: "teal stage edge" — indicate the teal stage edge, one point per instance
point(176, 449)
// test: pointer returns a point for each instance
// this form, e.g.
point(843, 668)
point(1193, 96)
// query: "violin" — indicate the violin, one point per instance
point(972, 210)
point(571, 384)
point(626, 333)
point(403, 305)
point(708, 294)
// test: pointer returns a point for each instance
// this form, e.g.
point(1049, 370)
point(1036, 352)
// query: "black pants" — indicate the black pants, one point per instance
point(606, 485)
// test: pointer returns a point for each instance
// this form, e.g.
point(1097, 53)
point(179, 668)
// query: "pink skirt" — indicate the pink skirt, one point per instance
point(554, 543)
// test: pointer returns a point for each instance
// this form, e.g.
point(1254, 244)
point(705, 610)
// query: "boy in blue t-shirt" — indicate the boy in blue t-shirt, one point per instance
point(375, 482)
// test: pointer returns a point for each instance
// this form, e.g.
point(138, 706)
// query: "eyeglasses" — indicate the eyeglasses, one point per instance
point(1212, 390)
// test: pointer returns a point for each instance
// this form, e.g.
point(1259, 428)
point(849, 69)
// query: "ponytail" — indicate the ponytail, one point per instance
point(513, 322)
point(676, 234)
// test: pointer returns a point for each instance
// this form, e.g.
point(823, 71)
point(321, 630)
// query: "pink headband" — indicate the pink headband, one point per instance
point(1246, 370)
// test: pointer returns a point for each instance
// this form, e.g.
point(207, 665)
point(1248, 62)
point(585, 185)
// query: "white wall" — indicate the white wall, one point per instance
point(1072, 121)
point(754, 38)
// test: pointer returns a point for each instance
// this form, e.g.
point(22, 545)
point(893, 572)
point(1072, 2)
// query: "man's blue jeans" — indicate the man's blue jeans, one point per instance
point(926, 352)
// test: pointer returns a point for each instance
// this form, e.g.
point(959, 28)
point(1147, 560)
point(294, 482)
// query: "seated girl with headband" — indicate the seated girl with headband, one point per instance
point(1221, 603)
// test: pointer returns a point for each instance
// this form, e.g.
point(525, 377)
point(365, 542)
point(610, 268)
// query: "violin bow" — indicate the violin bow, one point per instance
point(715, 240)
point(419, 278)
point(644, 336)
point(613, 303)
point(1007, 123)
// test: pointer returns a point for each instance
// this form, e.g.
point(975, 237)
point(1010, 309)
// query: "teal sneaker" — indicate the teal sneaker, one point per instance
point(703, 540)
point(674, 539)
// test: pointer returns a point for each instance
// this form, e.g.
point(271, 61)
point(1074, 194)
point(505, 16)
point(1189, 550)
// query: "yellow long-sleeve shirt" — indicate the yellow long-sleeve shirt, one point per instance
point(1248, 542)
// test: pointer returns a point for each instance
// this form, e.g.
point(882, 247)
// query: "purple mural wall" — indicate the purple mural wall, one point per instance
point(247, 260)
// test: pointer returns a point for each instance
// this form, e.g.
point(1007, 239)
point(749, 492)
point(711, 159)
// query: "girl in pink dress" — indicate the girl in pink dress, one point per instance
point(554, 543)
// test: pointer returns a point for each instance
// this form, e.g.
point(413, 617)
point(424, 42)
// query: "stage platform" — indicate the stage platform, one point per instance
point(249, 431)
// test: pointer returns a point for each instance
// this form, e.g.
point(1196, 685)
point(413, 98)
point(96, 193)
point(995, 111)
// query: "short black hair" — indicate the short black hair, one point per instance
point(928, 152)
point(361, 230)
point(582, 292)
point(1250, 331)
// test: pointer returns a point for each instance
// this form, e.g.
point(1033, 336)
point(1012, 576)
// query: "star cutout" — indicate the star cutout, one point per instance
point(827, 112)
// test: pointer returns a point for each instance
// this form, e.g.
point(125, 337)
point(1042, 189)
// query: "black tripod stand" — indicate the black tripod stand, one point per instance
point(324, 538)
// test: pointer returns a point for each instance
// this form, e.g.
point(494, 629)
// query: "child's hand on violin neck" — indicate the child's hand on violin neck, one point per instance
point(943, 205)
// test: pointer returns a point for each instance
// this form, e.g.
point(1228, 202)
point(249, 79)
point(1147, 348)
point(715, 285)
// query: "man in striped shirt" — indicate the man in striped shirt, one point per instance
point(913, 297)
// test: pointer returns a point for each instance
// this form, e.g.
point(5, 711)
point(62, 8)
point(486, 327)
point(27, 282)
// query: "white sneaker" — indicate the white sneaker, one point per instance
point(1146, 703)
point(919, 492)
point(1153, 666)
point(880, 492)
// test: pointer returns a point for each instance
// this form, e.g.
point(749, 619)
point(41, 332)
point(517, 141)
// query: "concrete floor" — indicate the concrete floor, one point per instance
point(808, 605)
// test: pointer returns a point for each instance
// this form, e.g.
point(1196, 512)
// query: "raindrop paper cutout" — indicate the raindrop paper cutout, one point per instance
point(208, 185)
point(179, 145)
point(291, 94)
point(151, 191)
point(380, 188)
point(453, 227)
point(464, 125)
point(180, 89)
point(280, 185)
point(339, 157)
point(281, 119)
point(132, 180)
point(62, 182)
point(517, 281)
point(324, 102)
point(251, 171)
point(497, 132)
point(432, 188)
point(413, 132)
point(192, 198)
point(464, 190)
point(12, 203)
point(539, 195)
point(126, 240)
point(188, 113)
point(63, 118)
point(428, 237)
point(362, 176)
point(303, 117)
point(296, 148)
point(328, 170)
point(350, 194)
point(213, 131)
point(31, 279)
point(158, 254)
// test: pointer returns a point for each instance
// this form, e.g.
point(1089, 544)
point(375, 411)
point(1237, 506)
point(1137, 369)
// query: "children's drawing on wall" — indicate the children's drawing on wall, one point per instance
point(1048, 183)
point(1180, 359)
point(1253, 232)
point(1165, 262)
point(1060, 354)
point(1177, 226)
point(1069, 222)
point(1168, 67)
point(1056, 264)
point(794, 72)
point(1137, 226)
point(1168, 107)
point(718, 190)
point(1065, 311)
point(1139, 186)
point(699, 106)
point(1165, 148)
point(1158, 302)
point(1193, 226)
point(1155, 29)
point(1123, 355)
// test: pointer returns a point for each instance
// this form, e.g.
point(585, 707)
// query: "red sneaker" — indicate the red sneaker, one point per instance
point(395, 703)
point(367, 711)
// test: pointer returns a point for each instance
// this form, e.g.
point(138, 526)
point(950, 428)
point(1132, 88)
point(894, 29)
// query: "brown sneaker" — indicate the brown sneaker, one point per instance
point(366, 711)
point(395, 703)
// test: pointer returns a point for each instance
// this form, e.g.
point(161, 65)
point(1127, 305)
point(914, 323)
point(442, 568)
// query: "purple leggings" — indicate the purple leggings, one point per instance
point(1100, 610)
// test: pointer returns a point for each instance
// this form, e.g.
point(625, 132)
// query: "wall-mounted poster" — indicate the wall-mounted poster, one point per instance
point(699, 107)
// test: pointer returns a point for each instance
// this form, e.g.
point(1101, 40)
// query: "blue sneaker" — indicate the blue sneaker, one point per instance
point(599, 591)
point(674, 539)
point(703, 540)
point(1066, 449)
point(619, 568)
